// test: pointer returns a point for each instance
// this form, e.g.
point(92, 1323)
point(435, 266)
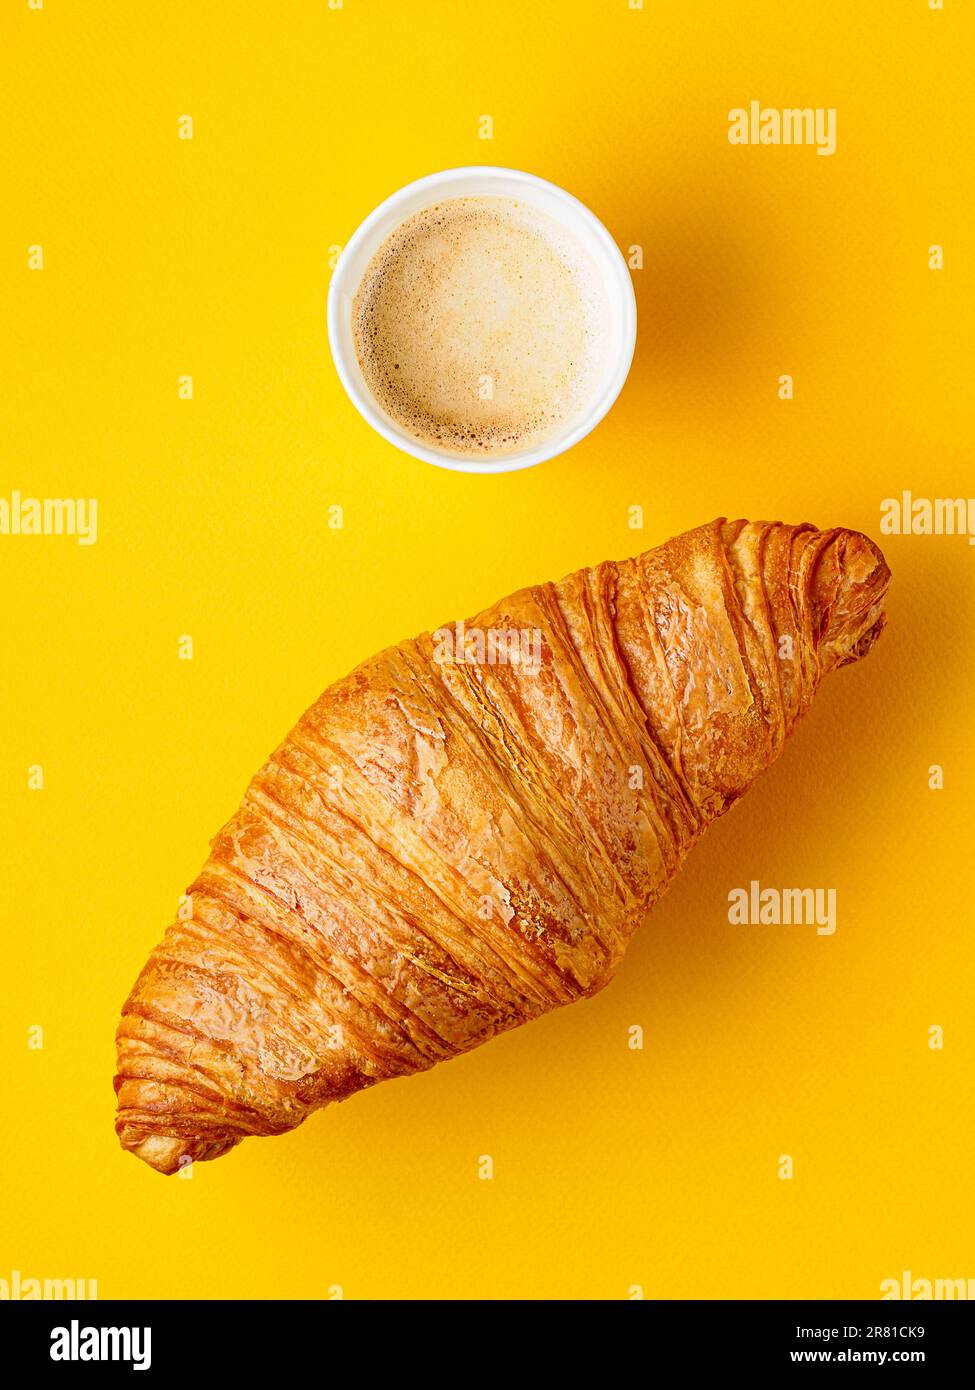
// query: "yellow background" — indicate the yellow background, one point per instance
point(210, 257)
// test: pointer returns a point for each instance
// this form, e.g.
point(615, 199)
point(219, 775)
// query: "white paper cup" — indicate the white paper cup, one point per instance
point(484, 181)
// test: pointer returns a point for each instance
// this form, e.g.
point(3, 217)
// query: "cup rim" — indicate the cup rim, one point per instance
point(547, 449)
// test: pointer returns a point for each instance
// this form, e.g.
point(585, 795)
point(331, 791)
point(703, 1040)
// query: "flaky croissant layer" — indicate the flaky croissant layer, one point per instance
point(465, 832)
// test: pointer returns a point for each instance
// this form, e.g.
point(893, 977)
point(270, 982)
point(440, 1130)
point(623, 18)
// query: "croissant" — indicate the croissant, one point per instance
point(465, 832)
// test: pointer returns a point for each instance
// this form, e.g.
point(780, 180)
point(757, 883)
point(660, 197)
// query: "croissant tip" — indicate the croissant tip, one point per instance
point(849, 590)
point(168, 1153)
point(160, 1151)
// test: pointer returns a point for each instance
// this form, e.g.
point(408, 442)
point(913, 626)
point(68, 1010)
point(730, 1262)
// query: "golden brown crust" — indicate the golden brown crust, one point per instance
point(443, 850)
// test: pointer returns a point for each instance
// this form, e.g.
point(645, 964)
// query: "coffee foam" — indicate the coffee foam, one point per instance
point(481, 326)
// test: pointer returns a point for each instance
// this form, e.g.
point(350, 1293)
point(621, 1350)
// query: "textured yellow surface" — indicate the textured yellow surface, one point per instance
point(612, 1167)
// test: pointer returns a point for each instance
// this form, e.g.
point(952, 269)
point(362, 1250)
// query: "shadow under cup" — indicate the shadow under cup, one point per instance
point(490, 182)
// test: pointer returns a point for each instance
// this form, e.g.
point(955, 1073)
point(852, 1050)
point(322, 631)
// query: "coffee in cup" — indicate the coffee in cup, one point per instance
point(481, 326)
